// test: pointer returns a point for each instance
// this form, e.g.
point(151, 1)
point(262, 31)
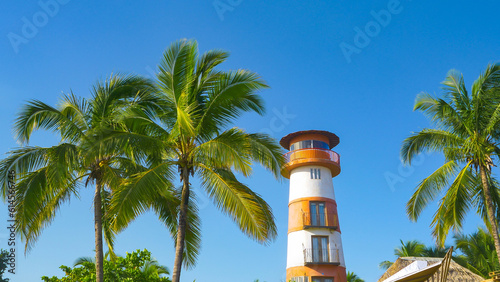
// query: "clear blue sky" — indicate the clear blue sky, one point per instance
point(366, 98)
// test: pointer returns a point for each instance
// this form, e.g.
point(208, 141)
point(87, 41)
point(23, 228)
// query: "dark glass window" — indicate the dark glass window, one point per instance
point(309, 144)
point(320, 144)
point(318, 213)
point(315, 173)
point(320, 249)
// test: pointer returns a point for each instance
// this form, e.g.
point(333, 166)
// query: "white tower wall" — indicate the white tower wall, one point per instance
point(302, 186)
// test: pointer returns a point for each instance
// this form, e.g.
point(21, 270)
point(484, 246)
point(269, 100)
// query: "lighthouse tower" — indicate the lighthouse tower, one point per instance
point(314, 243)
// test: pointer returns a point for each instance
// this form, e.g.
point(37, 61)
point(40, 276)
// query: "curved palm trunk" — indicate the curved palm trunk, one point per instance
point(181, 231)
point(99, 271)
point(490, 209)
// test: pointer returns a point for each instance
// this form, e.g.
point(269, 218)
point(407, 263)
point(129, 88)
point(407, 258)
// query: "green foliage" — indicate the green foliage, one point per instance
point(467, 134)
point(414, 248)
point(88, 152)
point(478, 251)
point(137, 266)
point(410, 249)
point(385, 264)
point(4, 258)
point(475, 252)
point(352, 277)
point(193, 138)
point(133, 138)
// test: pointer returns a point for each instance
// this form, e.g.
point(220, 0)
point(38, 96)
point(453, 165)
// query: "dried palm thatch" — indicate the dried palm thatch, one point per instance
point(456, 271)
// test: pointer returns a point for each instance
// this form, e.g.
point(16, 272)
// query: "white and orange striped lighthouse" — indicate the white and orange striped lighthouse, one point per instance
point(314, 251)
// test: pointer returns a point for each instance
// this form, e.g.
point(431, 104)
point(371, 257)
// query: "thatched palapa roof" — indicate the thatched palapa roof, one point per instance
point(456, 271)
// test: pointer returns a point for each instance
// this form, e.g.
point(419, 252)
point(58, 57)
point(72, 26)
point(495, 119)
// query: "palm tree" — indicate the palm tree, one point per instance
point(435, 252)
point(50, 176)
point(478, 251)
point(416, 249)
point(152, 269)
point(467, 133)
point(352, 277)
point(411, 248)
point(198, 105)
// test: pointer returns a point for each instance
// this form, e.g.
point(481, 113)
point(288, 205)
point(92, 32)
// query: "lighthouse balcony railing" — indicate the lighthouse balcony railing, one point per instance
point(321, 256)
point(312, 153)
point(320, 220)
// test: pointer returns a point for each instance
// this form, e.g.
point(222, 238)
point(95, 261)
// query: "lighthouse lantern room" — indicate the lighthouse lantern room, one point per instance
point(314, 252)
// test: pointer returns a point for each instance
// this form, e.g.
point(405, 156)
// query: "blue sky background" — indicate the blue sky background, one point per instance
point(295, 46)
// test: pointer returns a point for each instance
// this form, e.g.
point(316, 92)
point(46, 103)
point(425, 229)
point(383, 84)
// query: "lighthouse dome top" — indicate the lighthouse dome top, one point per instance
point(331, 139)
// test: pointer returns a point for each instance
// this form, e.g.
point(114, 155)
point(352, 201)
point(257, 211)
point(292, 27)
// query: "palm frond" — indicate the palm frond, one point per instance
point(266, 151)
point(107, 218)
point(429, 188)
point(252, 214)
point(37, 203)
point(83, 261)
point(233, 94)
point(428, 140)
point(454, 87)
point(442, 113)
point(454, 205)
point(176, 69)
point(229, 149)
point(167, 209)
point(38, 115)
point(136, 195)
point(22, 161)
point(113, 94)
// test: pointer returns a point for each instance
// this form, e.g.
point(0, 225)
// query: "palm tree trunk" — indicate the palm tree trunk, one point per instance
point(99, 271)
point(181, 231)
point(490, 209)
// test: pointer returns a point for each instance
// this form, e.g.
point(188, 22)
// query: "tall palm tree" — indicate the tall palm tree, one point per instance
point(50, 176)
point(478, 251)
point(352, 277)
point(198, 105)
point(467, 133)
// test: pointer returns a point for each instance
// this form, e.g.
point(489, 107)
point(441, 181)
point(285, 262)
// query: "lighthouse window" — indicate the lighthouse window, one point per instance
point(318, 212)
point(315, 173)
point(300, 279)
point(320, 251)
point(309, 144)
